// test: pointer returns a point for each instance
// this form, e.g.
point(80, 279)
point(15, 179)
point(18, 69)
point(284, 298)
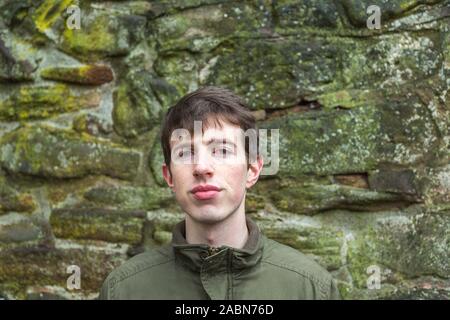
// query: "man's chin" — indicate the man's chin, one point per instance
point(208, 217)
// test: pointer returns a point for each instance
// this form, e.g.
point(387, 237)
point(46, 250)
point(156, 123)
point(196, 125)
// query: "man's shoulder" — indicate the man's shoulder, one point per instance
point(291, 260)
point(144, 261)
point(294, 265)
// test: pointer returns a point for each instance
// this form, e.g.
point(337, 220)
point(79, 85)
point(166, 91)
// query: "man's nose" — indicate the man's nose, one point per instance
point(202, 165)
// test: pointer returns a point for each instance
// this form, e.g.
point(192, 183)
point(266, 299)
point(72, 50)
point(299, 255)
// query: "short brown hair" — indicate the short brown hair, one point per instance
point(206, 104)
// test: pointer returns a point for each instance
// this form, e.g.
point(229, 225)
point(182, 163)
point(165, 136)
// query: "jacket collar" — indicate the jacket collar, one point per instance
point(200, 256)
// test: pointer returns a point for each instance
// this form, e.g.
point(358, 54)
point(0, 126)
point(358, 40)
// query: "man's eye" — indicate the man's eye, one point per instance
point(221, 152)
point(185, 153)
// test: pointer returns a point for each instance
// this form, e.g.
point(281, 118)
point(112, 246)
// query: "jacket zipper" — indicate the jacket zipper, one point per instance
point(212, 251)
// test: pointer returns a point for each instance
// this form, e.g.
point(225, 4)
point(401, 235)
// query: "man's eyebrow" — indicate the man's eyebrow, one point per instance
point(220, 140)
point(210, 141)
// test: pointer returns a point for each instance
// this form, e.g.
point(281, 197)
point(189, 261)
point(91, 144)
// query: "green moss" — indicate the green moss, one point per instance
point(180, 69)
point(362, 253)
point(322, 244)
point(293, 195)
point(31, 102)
point(14, 289)
point(390, 60)
point(446, 46)
point(136, 107)
point(356, 9)
point(130, 119)
point(38, 266)
point(12, 200)
point(98, 40)
point(131, 198)
point(294, 15)
point(254, 202)
point(102, 35)
point(106, 226)
point(162, 237)
point(294, 71)
point(346, 99)
point(409, 246)
point(386, 291)
point(203, 28)
point(327, 142)
point(48, 12)
point(51, 152)
point(20, 231)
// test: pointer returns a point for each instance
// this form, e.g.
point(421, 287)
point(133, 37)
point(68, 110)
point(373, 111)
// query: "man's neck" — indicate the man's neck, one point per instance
point(232, 232)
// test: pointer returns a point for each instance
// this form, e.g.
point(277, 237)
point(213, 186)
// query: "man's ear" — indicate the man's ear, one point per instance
point(254, 170)
point(167, 175)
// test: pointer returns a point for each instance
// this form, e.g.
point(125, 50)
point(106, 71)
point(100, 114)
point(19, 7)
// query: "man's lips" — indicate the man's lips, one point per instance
point(205, 192)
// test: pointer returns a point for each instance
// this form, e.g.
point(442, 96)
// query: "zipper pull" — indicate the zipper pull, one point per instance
point(212, 250)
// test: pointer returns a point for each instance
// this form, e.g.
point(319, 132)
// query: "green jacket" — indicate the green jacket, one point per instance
point(263, 269)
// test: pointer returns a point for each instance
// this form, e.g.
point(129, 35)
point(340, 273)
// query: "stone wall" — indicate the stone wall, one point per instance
point(364, 178)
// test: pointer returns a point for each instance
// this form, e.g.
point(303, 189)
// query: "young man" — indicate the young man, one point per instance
point(216, 252)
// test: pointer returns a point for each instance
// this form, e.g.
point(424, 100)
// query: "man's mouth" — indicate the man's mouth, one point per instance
point(205, 192)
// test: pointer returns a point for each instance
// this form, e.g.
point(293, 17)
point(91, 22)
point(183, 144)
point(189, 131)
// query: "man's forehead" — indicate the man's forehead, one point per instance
point(226, 133)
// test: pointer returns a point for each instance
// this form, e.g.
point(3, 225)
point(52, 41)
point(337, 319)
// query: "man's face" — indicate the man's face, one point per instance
point(209, 173)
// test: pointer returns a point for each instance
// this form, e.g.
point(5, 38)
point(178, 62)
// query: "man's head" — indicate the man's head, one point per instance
point(218, 156)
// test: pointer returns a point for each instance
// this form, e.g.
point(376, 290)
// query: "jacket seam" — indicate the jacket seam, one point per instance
point(321, 284)
point(143, 269)
point(123, 275)
point(307, 275)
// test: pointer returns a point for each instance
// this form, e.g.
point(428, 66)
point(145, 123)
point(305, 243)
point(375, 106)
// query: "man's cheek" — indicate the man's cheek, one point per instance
point(238, 188)
point(177, 191)
point(183, 201)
